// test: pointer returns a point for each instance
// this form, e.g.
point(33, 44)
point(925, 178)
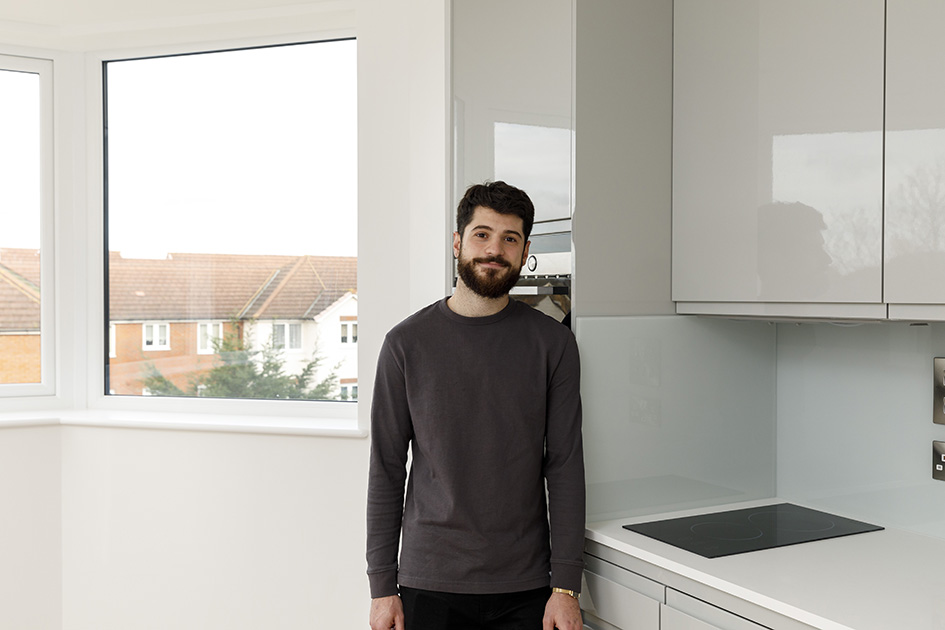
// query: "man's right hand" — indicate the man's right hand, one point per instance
point(387, 613)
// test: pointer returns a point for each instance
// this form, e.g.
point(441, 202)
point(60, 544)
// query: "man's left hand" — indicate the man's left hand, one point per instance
point(562, 612)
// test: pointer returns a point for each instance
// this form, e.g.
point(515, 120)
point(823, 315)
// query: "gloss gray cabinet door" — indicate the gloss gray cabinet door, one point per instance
point(682, 612)
point(622, 224)
point(620, 598)
point(778, 152)
point(915, 156)
point(511, 99)
point(672, 619)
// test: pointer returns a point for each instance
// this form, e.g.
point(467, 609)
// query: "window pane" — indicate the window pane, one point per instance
point(278, 336)
point(20, 168)
point(232, 196)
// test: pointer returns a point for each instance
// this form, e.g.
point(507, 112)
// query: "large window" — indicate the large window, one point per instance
point(26, 341)
point(231, 221)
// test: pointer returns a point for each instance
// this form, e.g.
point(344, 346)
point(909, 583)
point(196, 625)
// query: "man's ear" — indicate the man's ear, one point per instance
point(457, 243)
point(525, 253)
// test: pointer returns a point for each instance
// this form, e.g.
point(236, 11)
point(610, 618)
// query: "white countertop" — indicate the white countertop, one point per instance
point(886, 580)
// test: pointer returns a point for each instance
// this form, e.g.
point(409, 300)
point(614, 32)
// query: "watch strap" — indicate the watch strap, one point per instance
point(565, 591)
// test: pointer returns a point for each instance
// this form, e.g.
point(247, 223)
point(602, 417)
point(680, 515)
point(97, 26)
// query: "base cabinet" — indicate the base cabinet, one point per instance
point(616, 599)
point(672, 619)
point(682, 612)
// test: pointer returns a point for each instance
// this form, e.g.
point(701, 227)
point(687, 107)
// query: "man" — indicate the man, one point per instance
point(485, 392)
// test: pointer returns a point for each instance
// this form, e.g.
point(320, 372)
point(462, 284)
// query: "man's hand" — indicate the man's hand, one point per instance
point(387, 613)
point(562, 612)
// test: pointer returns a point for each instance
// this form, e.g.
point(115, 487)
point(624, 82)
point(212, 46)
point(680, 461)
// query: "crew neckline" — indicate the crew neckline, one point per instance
point(445, 309)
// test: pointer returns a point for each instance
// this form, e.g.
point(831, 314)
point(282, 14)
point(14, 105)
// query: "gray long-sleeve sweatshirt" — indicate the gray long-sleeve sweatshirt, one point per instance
point(490, 408)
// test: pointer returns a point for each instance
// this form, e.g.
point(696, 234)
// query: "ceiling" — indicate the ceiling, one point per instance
point(84, 25)
point(66, 14)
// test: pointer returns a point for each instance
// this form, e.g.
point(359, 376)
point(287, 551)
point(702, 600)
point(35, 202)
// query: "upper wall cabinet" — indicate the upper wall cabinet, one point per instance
point(572, 101)
point(623, 102)
point(778, 157)
point(511, 76)
point(915, 160)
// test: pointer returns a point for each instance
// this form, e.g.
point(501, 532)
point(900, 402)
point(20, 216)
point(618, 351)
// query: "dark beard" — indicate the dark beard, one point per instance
point(491, 285)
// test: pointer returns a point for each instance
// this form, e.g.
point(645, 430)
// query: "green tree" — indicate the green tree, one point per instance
point(241, 372)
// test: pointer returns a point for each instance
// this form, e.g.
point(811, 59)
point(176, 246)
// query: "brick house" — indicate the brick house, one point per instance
point(167, 312)
point(19, 316)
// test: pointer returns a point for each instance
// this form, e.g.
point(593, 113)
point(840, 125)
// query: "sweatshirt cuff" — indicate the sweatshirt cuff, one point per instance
point(383, 584)
point(566, 575)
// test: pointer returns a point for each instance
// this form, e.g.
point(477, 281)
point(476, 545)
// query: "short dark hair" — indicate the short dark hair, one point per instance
point(499, 196)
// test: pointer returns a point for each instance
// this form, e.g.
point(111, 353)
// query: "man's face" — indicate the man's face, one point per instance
point(490, 252)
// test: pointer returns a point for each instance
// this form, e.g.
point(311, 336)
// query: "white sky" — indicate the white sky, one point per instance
point(251, 152)
point(19, 160)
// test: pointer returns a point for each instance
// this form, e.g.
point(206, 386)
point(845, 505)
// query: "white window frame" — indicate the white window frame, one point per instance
point(286, 328)
point(349, 334)
point(154, 326)
point(47, 385)
point(328, 418)
point(215, 331)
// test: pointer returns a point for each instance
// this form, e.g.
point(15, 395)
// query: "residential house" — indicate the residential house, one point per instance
point(19, 316)
point(167, 313)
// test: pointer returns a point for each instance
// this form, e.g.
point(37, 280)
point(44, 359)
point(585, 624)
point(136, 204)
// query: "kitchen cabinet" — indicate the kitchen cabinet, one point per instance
point(623, 94)
point(778, 157)
point(615, 597)
point(682, 612)
point(672, 619)
point(915, 160)
point(619, 585)
point(572, 101)
point(511, 99)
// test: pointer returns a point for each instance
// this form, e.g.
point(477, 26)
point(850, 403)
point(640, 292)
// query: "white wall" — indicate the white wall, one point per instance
point(30, 533)
point(855, 424)
point(164, 529)
point(182, 529)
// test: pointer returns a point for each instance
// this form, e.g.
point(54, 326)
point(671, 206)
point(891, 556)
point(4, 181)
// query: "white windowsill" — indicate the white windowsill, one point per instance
point(273, 425)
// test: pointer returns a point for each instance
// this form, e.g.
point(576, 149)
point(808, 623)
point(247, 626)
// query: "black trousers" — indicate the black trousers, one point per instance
point(432, 610)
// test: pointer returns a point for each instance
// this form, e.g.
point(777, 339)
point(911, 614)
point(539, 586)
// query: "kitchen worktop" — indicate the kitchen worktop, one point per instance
point(885, 580)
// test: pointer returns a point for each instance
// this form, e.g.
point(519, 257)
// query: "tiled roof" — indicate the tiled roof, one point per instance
point(19, 289)
point(221, 286)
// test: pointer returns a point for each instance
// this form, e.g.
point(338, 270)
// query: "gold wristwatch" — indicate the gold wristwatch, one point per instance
point(565, 591)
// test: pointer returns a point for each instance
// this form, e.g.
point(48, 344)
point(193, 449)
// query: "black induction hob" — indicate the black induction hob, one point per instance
point(750, 529)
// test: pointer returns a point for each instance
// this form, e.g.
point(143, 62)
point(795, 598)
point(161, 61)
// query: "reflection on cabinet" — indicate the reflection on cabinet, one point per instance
point(915, 158)
point(778, 156)
point(511, 76)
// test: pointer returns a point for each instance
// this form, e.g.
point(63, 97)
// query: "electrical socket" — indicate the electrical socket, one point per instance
point(938, 403)
point(938, 461)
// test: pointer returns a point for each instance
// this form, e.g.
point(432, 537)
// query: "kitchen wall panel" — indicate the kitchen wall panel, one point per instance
point(855, 421)
point(678, 412)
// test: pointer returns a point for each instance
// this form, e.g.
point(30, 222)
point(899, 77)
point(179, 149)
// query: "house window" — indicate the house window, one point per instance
point(27, 233)
point(349, 392)
point(349, 332)
point(228, 148)
point(156, 336)
point(209, 336)
point(283, 332)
